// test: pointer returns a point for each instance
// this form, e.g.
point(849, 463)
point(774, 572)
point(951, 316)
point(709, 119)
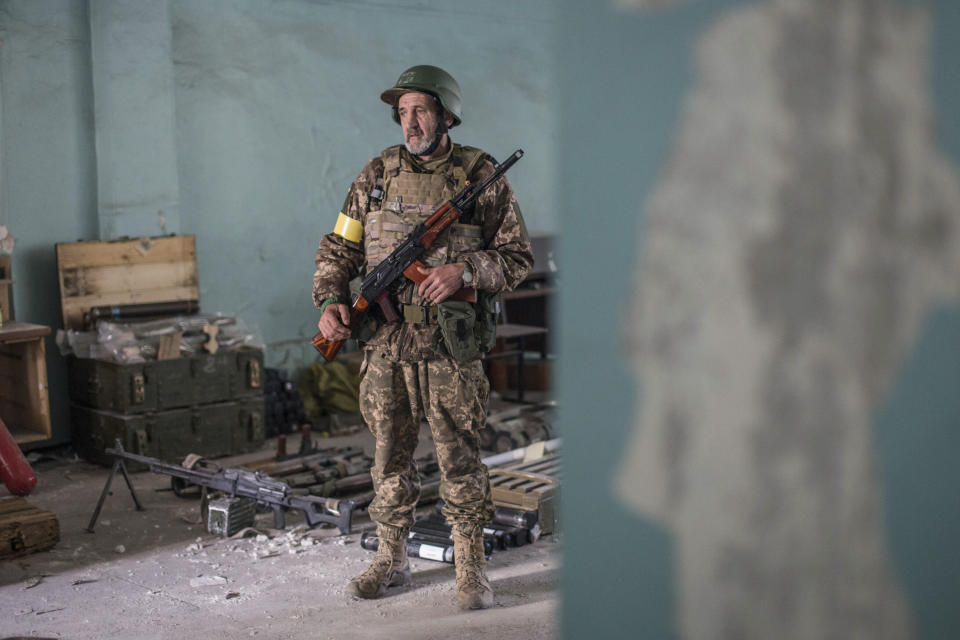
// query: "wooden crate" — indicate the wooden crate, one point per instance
point(123, 272)
point(530, 486)
point(25, 529)
point(24, 397)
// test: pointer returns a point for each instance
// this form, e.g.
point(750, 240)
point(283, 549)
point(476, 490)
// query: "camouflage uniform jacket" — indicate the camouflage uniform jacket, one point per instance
point(502, 262)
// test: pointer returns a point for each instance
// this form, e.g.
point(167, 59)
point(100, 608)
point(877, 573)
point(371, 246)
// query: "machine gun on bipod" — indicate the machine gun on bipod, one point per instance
point(253, 485)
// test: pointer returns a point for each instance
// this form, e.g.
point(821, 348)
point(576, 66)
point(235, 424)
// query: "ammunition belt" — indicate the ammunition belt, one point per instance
point(416, 314)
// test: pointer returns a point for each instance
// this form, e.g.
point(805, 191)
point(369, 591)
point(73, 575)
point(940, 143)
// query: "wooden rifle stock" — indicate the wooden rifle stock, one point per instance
point(441, 219)
point(413, 273)
point(327, 348)
point(330, 348)
point(436, 223)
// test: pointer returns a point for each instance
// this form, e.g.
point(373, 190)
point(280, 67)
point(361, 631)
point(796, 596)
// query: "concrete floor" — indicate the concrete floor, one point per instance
point(159, 574)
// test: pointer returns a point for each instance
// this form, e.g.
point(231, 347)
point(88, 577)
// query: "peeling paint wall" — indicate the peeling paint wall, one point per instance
point(828, 234)
point(758, 452)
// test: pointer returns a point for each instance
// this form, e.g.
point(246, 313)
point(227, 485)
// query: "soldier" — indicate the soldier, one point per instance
point(425, 366)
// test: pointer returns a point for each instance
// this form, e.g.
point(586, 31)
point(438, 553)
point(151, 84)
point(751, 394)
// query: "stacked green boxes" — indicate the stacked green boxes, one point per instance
point(210, 404)
point(165, 384)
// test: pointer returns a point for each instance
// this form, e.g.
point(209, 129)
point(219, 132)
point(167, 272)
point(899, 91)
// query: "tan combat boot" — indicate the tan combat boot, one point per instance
point(390, 567)
point(473, 587)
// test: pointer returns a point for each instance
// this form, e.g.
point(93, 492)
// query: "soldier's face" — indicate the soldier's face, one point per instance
point(420, 120)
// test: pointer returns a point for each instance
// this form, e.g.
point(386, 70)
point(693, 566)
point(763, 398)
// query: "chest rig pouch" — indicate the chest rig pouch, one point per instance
point(409, 198)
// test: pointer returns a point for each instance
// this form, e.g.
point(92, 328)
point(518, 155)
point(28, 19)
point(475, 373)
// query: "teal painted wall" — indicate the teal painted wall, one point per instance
point(917, 438)
point(276, 109)
point(48, 179)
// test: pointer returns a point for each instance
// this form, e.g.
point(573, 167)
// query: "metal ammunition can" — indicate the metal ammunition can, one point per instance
point(227, 516)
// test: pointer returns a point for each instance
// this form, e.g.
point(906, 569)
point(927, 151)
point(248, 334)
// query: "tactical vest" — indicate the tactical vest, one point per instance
point(409, 198)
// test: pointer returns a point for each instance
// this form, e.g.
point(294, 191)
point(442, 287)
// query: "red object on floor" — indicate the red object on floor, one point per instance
point(15, 471)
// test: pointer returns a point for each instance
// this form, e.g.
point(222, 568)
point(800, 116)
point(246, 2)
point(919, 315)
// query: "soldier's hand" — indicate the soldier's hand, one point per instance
point(441, 282)
point(334, 322)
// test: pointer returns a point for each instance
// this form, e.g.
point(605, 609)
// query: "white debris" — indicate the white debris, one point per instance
point(207, 581)
point(119, 549)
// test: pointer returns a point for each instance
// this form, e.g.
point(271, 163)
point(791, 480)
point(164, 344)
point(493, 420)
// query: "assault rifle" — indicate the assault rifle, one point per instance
point(234, 482)
point(380, 283)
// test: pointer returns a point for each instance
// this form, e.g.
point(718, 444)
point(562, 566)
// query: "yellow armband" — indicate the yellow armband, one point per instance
point(348, 228)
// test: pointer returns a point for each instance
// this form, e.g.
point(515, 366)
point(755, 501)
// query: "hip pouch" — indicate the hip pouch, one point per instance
point(488, 308)
point(456, 321)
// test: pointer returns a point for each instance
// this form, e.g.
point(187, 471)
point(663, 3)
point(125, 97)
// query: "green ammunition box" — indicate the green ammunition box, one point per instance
point(210, 404)
point(210, 430)
point(165, 384)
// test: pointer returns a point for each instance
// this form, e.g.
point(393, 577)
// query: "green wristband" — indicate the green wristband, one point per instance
point(327, 303)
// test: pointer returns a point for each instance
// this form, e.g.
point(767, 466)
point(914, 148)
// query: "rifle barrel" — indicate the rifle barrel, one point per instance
point(470, 192)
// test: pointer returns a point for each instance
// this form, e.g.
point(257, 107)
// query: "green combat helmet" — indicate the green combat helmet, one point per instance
point(426, 79)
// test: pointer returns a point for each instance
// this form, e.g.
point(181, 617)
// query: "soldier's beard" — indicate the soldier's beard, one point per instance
point(428, 145)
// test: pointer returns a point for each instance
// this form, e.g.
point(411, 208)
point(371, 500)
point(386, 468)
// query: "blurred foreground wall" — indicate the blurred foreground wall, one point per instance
point(766, 415)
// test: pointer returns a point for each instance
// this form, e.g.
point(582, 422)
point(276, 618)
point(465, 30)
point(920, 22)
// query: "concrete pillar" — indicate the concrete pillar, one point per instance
point(132, 67)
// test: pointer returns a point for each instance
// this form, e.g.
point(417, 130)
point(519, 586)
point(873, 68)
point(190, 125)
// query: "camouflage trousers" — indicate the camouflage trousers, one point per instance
point(394, 399)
